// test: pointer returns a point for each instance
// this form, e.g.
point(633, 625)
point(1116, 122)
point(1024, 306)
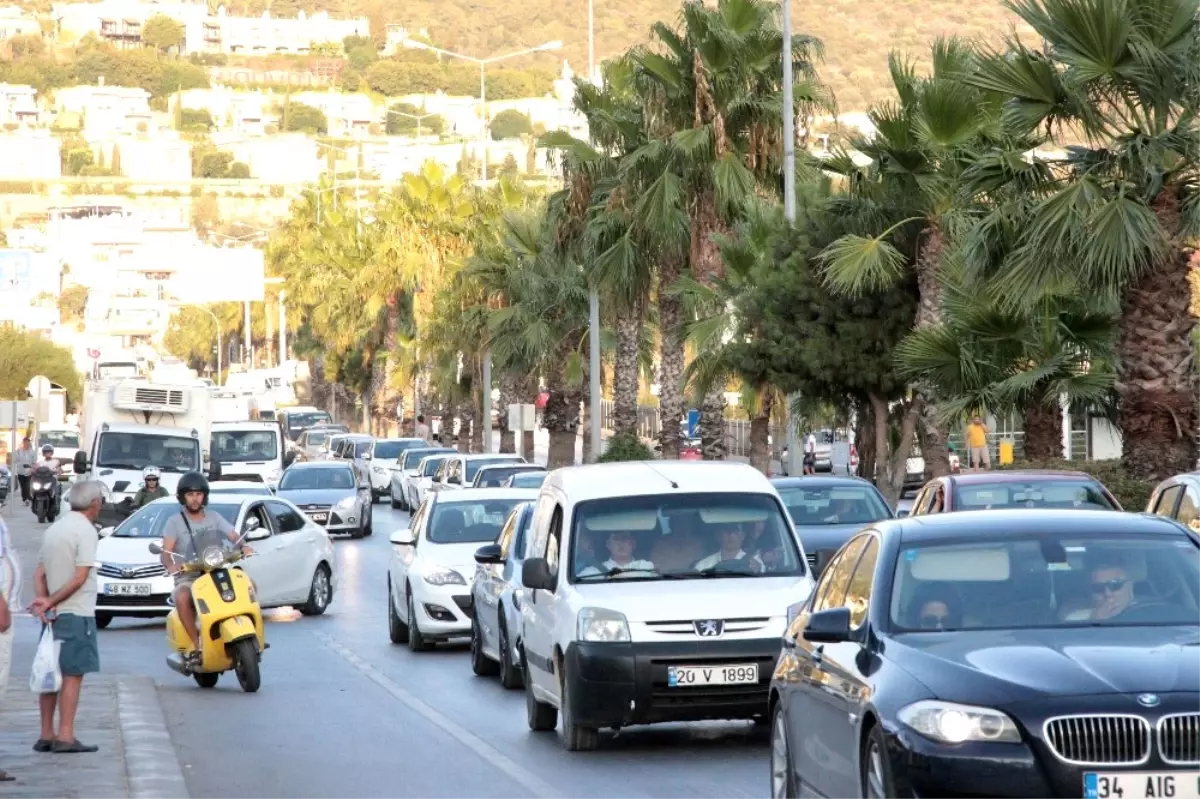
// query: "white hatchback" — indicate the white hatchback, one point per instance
point(294, 564)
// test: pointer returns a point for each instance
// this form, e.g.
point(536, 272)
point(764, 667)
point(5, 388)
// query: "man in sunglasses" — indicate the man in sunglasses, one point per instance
point(1112, 590)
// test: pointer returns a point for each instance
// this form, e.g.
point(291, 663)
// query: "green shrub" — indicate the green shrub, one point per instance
point(625, 448)
point(1133, 493)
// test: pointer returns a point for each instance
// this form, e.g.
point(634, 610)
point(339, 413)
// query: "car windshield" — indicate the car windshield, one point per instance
point(392, 449)
point(833, 504)
point(139, 450)
point(1047, 580)
point(245, 445)
point(58, 438)
point(526, 480)
point(148, 522)
point(412, 458)
point(299, 421)
point(320, 478)
point(430, 465)
point(217, 488)
point(494, 476)
point(474, 465)
point(316, 439)
point(469, 522)
point(682, 536)
point(1032, 493)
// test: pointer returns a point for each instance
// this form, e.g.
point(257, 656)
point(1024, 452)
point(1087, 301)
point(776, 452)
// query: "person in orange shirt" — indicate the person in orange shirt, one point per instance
point(977, 444)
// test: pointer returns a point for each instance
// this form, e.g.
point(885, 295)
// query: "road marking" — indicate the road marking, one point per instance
point(521, 775)
point(151, 763)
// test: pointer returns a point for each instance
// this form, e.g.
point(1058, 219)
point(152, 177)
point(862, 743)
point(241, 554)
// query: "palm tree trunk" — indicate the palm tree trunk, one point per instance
point(528, 440)
point(670, 359)
point(864, 441)
point(935, 444)
point(1043, 430)
point(712, 424)
point(507, 395)
point(466, 415)
point(1156, 365)
point(760, 432)
point(561, 420)
point(890, 479)
point(625, 372)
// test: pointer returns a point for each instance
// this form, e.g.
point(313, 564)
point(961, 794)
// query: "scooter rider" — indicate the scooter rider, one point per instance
point(179, 538)
point(49, 461)
point(151, 488)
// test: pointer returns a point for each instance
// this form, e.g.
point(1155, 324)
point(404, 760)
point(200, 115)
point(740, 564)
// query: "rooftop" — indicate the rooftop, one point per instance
point(644, 478)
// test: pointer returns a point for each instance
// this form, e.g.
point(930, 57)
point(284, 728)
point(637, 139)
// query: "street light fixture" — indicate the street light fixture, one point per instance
point(483, 62)
point(416, 117)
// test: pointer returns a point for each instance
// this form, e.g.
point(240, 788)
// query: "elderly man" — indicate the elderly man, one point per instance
point(65, 581)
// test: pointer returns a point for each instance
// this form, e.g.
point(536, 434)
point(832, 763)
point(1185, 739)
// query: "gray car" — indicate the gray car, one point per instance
point(496, 595)
point(493, 475)
point(827, 511)
point(330, 493)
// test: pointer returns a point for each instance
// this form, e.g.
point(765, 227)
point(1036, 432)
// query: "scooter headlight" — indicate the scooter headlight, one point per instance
point(213, 557)
point(40, 486)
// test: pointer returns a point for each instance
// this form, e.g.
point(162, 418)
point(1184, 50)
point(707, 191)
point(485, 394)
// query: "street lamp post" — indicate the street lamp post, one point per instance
point(416, 117)
point(795, 457)
point(594, 399)
point(482, 62)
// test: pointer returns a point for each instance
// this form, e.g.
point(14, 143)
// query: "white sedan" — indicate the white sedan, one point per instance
point(433, 563)
point(294, 564)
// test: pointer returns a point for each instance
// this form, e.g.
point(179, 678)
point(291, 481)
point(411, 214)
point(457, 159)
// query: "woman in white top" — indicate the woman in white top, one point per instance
point(620, 549)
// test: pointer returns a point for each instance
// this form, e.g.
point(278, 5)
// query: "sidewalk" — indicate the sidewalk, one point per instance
point(120, 713)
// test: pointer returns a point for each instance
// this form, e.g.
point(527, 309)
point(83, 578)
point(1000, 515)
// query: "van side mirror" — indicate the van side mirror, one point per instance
point(535, 573)
point(80, 462)
point(828, 626)
point(214, 470)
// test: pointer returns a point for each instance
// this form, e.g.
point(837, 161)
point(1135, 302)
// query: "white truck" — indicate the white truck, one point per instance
point(249, 450)
point(131, 424)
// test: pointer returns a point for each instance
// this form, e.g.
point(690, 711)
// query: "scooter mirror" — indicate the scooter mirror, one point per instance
point(155, 548)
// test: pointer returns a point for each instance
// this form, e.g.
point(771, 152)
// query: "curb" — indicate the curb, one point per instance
point(151, 764)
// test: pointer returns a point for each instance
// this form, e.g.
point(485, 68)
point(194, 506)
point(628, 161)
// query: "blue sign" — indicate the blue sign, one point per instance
point(693, 423)
point(16, 270)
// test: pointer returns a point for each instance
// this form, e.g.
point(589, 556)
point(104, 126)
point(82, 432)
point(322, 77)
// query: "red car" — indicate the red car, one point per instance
point(1013, 489)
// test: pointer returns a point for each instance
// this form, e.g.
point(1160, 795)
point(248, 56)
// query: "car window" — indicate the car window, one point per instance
point(286, 519)
point(245, 445)
point(836, 578)
point(554, 542)
point(504, 539)
point(1032, 493)
point(519, 537)
point(256, 511)
point(417, 522)
point(388, 450)
point(472, 466)
point(858, 590)
point(1189, 508)
point(833, 504)
point(468, 522)
point(541, 523)
point(453, 470)
point(362, 448)
point(526, 480)
point(433, 467)
point(1167, 499)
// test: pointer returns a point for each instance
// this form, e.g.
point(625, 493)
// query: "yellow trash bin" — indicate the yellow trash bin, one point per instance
point(1006, 453)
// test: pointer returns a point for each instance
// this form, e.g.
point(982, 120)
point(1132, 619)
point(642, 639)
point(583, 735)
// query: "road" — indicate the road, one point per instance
point(343, 712)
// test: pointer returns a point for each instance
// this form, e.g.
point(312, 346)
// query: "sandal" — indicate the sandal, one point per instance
point(6, 777)
point(71, 747)
point(43, 745)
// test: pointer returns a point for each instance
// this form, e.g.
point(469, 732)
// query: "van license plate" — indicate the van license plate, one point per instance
point(1141, 784)
point(127, 589)
point(733, 674)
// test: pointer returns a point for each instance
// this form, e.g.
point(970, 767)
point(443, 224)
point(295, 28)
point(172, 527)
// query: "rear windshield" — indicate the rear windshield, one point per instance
point(299, 421)
point(1082, 493)
point(392, 449)
point(411, 458)
point(810, 507)
point(431, 465)
point(473, 465)
point(494, 476)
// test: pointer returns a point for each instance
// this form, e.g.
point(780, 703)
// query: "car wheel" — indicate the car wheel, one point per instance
point(361, 531)
point(320, 594)
point(874, 769)
point(393, 501)
point(782, 784)
point(397, 630)
point(510, 675)
point(576, 737)
point(103, 620)
point(540, 716)
point(416, 641)
point(370, 528)
point(480, 663)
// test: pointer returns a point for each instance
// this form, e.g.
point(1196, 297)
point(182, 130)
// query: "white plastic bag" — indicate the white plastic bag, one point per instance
point(46, 677)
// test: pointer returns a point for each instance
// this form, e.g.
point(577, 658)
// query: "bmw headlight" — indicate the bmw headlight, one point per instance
point(442, 576)
point(213, 557)
point(602, 626)
point(951, 723)
point(348, 502)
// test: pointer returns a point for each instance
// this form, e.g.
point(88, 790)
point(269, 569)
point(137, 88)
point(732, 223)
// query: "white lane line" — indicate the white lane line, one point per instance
point(521, 775)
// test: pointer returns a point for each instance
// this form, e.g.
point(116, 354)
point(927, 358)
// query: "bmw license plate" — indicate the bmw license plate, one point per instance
point(1141, 784)
point(733, 674)
point(127, 589)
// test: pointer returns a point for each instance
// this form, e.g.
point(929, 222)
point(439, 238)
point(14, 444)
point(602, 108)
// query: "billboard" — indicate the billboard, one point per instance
point(217, 274)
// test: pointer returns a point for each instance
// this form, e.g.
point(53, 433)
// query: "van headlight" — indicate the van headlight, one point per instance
point(952, 723)
point(601, 625)
point(443, 576)
point(213, 557)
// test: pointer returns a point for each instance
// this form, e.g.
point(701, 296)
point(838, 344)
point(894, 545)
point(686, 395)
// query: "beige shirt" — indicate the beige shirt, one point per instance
point(68, 544)
point(422, 430)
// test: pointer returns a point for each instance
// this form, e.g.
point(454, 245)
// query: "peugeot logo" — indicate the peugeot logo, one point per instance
point(1148, 700)
point(709, 628)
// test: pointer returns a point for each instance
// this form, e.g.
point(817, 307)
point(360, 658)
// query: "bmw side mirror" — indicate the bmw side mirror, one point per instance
point(828, 626)
point(490, 554)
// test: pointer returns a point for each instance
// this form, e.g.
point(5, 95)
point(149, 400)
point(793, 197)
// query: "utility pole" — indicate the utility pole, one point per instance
point(594, 399)
point(795, 456)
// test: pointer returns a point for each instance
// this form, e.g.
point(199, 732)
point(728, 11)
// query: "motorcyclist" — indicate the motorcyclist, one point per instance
point(151, 488)
point(179, 539)
point(48, 460)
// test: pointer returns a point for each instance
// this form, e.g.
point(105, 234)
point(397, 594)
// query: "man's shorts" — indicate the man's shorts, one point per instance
point(185, 578)
point(80, 653)
point(980, 455)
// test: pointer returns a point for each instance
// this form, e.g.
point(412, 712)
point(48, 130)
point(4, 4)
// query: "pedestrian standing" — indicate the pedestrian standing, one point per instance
point(810, 454)
point(23, 460)
point(65, 582)
point(10, 594)
point(422, 429)
point(977, 444)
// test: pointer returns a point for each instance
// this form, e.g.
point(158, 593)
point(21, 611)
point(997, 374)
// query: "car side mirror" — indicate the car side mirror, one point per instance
point(490, 554)
point(828, 626)
point(403, 538)
point(257, 533)
point(900, 514)
point(823, 558)
point(367, 456)
point(155, 548)
point(214, 470)
point(80, 462)
point(105, 532)
point(535, 573)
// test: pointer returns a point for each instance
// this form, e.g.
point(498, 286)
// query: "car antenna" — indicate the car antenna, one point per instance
point(660, 474)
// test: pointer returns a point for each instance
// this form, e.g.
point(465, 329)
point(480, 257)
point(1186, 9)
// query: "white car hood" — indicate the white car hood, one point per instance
point(126, 551)
point(460, 557)
point(713, 598)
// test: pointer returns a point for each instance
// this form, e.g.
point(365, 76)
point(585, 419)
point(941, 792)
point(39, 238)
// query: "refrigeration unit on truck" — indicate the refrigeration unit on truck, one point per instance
point(249, 450)
point(131, 424)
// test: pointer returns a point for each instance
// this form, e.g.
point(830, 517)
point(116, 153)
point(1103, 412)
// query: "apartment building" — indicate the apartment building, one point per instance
point(30, 155)
point(18, 106)
point(284, 158)
point(348, 113)
point(15, 21)
point(244, 113)
point(107, 110)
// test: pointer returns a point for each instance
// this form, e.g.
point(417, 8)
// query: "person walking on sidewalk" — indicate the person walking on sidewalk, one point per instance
point(10, 594)
point(23, 460)
point(422, 429)
point(65, 582)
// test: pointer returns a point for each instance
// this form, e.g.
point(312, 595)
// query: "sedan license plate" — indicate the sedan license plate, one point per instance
point(319, 517)
point(127, 589)
point(732, 674)
point(1141, 785)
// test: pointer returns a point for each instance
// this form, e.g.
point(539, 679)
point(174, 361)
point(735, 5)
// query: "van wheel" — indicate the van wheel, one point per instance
point(103, 620)
point(207, 679)
point(319, 594)
point(397, 630)
point(416, 641)
point(541, 717)
point(245, 663)
point(576, 737)
point(480, 663)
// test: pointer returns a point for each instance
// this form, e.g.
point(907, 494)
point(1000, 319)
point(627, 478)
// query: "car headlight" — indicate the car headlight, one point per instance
point(443, 576)
point(951, 723)
point(213, 557)
point(794, 611)
point(602, 625)
point(348, 502)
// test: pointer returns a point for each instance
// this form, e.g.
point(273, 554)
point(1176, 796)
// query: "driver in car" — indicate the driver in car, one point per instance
point(620, 549)
point(730, 539)
point(1112, 590)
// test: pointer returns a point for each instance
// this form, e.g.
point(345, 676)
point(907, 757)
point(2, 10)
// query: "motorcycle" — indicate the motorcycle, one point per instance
point(44, 492)
point(228, 616)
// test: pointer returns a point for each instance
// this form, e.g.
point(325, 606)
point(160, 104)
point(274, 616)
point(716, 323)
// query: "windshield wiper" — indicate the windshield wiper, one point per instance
point(615, 570)
point(118, 466)
point(713, 571)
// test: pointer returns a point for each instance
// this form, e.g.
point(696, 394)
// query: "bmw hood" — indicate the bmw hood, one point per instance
point(826, 536)
point(316, 496)
point(1009, 666)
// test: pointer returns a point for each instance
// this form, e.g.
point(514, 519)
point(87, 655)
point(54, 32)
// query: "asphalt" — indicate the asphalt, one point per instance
point(343, 712)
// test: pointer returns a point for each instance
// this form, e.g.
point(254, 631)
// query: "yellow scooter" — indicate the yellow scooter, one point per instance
point(229, 619)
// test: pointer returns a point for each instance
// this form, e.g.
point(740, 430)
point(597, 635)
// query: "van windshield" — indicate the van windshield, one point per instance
point(245, 445)
point(682, 537)
point(139, 450)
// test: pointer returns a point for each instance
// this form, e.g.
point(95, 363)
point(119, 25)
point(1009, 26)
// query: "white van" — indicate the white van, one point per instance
point(657, 591)
point(249, 451)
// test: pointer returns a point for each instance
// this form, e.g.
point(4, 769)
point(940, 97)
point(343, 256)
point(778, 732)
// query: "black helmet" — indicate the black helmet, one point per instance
point(192, 481)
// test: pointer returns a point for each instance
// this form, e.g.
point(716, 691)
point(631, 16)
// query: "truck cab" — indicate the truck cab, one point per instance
point(249, 450)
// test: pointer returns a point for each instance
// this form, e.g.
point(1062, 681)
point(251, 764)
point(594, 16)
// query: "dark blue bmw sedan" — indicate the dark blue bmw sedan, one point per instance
point(996, 653)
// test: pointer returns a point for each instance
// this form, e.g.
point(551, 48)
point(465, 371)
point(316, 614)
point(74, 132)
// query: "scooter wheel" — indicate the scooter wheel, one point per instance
point(207, 679)
point(245, 663)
